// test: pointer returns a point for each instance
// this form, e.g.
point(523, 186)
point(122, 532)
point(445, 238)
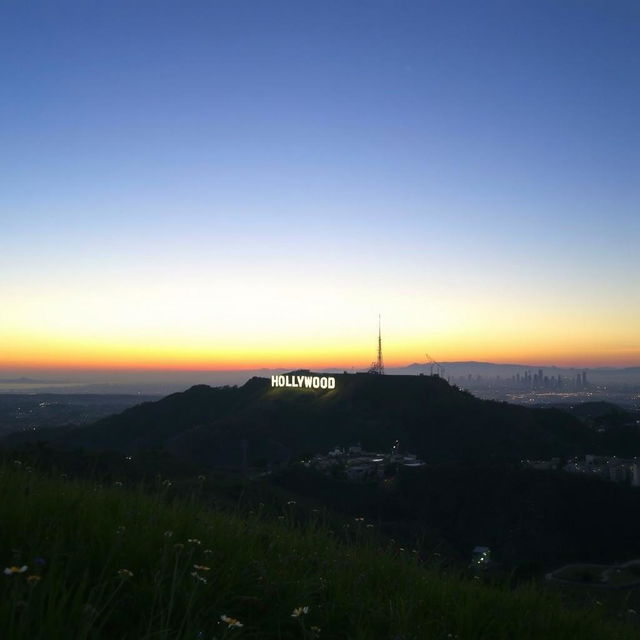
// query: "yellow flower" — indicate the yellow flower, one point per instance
point(201, 567)
point(9, 571)
point(232, 622)
point(33, 579)
point(299, 611)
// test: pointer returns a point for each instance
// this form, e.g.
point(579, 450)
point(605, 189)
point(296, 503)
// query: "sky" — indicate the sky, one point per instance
point(236, 184)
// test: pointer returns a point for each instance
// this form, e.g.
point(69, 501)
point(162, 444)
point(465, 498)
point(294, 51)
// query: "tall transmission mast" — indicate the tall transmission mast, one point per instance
point(378, 366)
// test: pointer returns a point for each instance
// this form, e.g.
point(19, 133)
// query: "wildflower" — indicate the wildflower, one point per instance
point(359, 519)
point(17, 463)
point(197, 576)
point(232, 622)
point(9, 571)
point(125, 573)
point(167, 483)
point(201, 567)
point(299, 611)
point(202, 478)
point(208, 551)
point(117, 483)
point(33, 579)
point(315, 630)
point(194, 541)
point(291, 502)
point(369, 526)
point(167, 534)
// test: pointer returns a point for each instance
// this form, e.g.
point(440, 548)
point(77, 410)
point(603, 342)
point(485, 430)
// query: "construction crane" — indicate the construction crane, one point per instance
point(439, 367)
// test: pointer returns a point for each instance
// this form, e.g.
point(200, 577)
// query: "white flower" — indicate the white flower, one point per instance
point(232, 622)
point(9, 571)
point(197, 576)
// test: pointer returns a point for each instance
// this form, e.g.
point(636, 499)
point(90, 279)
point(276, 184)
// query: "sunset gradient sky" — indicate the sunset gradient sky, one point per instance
point(237, 184)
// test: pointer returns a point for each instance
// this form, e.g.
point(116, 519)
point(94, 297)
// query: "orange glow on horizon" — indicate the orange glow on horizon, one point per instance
point(96, 361)
point(338, 349)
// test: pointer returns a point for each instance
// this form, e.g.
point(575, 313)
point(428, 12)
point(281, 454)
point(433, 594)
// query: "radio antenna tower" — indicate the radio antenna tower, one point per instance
point(378, 366)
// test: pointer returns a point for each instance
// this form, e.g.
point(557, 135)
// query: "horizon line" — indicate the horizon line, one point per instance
point(348, 369)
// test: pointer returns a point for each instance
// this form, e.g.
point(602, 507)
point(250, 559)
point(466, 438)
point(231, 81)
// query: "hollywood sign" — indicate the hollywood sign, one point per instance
point(304, 382)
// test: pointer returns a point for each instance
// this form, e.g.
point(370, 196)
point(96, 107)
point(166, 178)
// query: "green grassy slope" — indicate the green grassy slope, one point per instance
point(120, 562)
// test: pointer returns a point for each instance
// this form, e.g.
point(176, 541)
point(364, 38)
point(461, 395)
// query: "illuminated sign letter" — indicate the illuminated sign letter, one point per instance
point(304, 382)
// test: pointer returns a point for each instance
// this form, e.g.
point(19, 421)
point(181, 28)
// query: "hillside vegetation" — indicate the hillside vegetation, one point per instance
point(90, 561)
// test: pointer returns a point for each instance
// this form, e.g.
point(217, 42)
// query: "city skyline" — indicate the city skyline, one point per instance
point(241, 185)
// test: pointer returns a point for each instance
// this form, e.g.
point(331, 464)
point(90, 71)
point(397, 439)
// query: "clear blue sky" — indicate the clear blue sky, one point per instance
point(469, 169)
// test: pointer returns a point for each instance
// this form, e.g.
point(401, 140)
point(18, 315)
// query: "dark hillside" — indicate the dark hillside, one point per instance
point(440, 423)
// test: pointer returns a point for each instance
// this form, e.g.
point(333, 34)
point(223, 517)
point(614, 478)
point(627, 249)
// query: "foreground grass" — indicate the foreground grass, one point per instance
point(118, 562)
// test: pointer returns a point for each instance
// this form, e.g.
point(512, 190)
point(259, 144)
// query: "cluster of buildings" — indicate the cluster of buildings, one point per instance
point(531, 381)
point(357, 464)
point(622, 470)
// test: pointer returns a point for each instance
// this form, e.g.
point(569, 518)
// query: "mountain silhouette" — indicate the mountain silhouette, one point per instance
point(229, 426)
